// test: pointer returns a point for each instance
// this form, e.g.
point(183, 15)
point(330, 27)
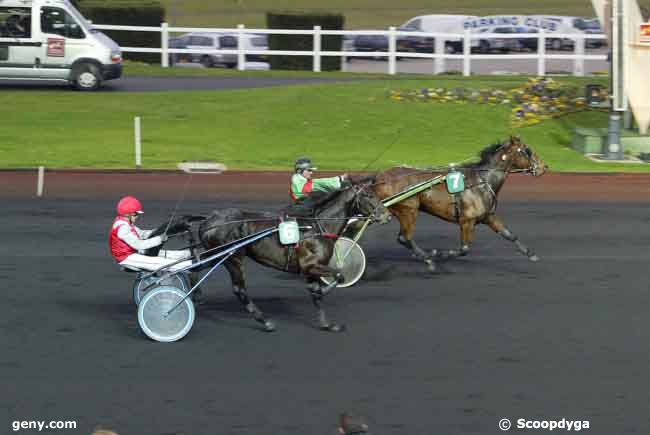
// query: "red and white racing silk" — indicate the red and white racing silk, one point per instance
point(126, 239)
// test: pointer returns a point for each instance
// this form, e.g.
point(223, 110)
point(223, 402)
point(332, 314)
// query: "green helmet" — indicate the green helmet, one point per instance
point(303, 163)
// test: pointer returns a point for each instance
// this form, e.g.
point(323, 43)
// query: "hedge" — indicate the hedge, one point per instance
point(299, 21)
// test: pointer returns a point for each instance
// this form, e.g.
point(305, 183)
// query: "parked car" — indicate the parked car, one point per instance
point(593, 27)
point(371, 43)
point(499, 44)
point(217, 41)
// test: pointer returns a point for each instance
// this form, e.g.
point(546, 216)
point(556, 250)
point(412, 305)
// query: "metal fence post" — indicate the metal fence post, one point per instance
point(392, 48)
point(317, 41)
point(164, 45)
point(467, 53)
point(541, 53)
point(579, 62)
point(241, 48)
point(439, 49)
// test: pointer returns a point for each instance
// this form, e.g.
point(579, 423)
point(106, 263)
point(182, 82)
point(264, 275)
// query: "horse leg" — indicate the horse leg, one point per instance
point(314, 270)
point(318, 291)
point(235, 268)
point(466, 238)
point(407, 217)
point(499, 227)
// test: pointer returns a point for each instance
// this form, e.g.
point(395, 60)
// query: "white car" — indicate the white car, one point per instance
point(211, 42)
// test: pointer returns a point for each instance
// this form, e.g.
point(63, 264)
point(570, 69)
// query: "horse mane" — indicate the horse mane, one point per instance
point(485, 156)
point(308, 205)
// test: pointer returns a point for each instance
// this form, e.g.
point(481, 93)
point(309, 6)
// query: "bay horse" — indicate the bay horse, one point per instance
point(325, 213)
point(476, 204)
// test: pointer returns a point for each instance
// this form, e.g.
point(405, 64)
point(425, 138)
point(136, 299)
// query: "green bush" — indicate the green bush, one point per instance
point(151, 14)
point(304, 21)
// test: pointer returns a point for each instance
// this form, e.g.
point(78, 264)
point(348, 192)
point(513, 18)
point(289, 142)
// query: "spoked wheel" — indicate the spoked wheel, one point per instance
point(156, 320)
point(142, 286)
point(349, 258)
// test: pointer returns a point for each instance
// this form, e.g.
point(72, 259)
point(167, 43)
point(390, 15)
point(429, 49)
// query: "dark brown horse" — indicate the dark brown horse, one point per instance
point(476, 204)
point(327, 214)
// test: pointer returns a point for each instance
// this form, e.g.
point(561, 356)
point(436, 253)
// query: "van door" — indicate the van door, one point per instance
point(64, 41)
point(19, 52)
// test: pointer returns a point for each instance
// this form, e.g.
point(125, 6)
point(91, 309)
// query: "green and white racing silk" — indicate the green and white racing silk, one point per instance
point(301, 186)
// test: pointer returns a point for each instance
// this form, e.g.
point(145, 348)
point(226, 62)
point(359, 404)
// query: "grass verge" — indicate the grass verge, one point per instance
point(342, 126)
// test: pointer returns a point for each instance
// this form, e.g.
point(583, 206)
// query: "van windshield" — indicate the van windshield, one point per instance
point(80, 19)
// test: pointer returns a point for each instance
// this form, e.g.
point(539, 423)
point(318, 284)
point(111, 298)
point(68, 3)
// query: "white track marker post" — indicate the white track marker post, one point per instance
point(138, 144)
point(40, 182)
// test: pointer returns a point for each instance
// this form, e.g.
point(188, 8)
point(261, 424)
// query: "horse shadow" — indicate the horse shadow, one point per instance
point(230, 312)
point(117, 318)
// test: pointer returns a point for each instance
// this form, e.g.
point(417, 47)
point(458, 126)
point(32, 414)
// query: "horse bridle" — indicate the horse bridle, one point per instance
point(533, 164)
point(358, 191)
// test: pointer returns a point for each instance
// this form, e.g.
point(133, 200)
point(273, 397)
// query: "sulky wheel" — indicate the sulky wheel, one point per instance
point(142, 286)
point(156, 320)
point(349, 258)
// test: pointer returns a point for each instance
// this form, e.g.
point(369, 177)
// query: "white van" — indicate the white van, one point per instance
point(51, 40)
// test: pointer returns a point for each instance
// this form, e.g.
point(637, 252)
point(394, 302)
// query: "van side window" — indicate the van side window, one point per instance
point(58, 22)
point(15, 22)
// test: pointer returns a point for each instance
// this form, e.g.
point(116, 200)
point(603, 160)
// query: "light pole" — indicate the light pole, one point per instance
point(613, 150)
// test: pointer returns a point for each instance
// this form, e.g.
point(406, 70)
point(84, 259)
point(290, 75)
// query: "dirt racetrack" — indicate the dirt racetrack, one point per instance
point(489, 336)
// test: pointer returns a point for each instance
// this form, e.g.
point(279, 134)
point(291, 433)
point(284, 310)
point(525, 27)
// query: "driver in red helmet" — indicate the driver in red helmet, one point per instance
point(127, 241)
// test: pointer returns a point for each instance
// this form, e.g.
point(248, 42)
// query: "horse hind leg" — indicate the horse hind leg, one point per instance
point(235, 269)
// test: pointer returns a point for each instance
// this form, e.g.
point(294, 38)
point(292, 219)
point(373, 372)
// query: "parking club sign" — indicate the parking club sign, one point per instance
point(55, 47)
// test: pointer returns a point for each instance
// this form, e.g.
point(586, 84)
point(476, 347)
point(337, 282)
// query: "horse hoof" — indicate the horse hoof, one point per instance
point(269, 326)
point(534, 258)
point(434, 253)
point(431, 267)
point(333, 327)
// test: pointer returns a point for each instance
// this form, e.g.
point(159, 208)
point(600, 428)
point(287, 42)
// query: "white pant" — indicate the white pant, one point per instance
point(145, 262)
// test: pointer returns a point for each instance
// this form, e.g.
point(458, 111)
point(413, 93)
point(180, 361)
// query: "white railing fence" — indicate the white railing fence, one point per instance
point(438, 55)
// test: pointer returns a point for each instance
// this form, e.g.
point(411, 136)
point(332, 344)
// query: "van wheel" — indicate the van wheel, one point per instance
point(87, 77)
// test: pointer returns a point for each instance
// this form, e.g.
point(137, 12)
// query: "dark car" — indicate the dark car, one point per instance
point(370, 43)
point(425, 44)
point(592, 27)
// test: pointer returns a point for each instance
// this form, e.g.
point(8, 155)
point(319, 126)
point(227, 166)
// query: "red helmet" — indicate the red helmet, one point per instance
point(129, 205)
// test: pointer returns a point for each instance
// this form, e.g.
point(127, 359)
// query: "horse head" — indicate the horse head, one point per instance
point(520, 156)
point(366, 202)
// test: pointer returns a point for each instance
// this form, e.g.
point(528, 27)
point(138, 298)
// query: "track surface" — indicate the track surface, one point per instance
point(157, 84)
point(488, 337)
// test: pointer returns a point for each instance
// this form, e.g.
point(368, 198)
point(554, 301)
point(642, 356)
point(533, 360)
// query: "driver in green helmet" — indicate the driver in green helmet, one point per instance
point(303, 183)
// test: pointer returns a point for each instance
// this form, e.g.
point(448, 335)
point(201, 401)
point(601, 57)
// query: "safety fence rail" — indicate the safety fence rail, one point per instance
point(439, 54)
